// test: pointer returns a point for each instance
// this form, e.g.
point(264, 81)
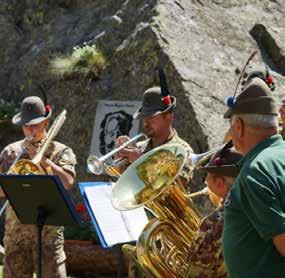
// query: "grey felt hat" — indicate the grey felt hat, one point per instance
point(33, 111)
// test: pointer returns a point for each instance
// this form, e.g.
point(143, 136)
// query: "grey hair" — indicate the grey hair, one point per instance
point(258, 120)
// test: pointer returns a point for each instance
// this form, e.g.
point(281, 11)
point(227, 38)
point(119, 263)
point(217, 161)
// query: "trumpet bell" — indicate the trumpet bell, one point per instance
point(148, 177)
point(95, 165)
point(201, 159)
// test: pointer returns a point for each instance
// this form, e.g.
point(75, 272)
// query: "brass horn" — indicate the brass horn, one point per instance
point(201, 159)
point(163, 245)
point(97, 165)
point(152, 181)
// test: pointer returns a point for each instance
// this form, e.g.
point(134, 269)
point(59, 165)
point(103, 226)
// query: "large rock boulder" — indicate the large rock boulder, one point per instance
point(201, 44)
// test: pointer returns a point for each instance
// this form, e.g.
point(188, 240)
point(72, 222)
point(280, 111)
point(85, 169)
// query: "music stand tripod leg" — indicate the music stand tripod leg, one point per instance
point(41, 219)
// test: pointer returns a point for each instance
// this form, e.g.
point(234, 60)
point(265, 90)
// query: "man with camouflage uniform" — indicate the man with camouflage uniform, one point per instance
point(205, 255)
point(20, 240)
point(157, 116)
point(157, 120)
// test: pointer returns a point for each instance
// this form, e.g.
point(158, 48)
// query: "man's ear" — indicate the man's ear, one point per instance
point(239, 126)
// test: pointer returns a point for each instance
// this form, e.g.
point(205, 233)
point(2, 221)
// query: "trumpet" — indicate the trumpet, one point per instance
point(97, 165)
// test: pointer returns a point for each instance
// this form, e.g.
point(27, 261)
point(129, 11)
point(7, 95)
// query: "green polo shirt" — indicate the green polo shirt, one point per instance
point(255, 213)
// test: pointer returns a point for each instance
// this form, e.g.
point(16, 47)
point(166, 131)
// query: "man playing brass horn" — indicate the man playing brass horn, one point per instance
point(20, 240)
point(157, 116)
point(205, 254)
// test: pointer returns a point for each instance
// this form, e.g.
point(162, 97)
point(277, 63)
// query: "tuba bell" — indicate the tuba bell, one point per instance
point(152, 181)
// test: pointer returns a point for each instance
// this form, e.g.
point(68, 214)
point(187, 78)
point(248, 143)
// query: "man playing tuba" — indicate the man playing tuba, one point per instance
point(20, 240)
point(157, 116)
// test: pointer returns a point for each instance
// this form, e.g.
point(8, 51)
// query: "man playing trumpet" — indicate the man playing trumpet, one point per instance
point(157, 116)
point(20, 240)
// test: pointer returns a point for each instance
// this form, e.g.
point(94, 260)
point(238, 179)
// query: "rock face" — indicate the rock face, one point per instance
point(199, 43)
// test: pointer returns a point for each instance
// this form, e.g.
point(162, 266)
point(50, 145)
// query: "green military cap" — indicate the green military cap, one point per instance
point(154, 104)
point(33, 111)
point(256, 98)
point(224, 162)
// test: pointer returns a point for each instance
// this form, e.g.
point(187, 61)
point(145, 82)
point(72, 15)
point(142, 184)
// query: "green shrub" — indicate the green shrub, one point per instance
point(86, 61)
point(7, 109)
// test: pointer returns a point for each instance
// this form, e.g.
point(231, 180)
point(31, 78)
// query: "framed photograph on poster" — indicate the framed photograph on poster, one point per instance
point(113, 119)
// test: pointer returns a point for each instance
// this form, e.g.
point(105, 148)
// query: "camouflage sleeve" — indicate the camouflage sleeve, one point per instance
point(7, 157)
point(205, 254)
point(67, 160)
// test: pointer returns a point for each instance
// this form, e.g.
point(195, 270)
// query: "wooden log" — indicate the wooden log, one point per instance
point(85, 256)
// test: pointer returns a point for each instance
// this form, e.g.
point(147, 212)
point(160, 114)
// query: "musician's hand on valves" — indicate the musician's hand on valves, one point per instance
point(119, 142)
point(130, 153)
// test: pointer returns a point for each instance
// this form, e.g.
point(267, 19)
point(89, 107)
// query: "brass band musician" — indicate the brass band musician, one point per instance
point(157, 116)
point(205, 255)
point(20, 240)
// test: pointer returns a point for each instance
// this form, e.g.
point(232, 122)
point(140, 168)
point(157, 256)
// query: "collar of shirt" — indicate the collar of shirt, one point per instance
point(270, 141)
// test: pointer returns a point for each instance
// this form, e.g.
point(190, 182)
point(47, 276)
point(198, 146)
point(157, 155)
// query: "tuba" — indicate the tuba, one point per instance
point(152, 181)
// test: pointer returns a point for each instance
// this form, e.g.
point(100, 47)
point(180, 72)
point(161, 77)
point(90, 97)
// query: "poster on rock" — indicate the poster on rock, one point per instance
point(113, 119)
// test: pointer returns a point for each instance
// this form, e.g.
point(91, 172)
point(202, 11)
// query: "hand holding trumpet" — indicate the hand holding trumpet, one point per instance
point(130, 153)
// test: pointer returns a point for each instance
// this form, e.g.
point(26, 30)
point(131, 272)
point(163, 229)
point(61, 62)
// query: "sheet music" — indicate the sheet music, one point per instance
point(116, 226)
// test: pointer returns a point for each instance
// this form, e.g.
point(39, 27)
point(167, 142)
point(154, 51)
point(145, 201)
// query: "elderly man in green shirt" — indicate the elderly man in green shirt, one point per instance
point(254, 229)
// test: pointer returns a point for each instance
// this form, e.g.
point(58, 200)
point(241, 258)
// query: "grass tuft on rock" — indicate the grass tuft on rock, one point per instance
point(86, 61)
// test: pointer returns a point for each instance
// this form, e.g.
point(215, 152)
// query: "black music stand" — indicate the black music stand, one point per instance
point(39, 200)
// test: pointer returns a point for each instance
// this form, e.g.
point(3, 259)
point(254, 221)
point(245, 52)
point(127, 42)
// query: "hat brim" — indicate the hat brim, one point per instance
point(227, 170)
point(18, 120)
point(142, 113)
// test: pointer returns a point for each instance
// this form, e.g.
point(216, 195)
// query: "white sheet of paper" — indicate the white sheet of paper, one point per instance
point(116, 226)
